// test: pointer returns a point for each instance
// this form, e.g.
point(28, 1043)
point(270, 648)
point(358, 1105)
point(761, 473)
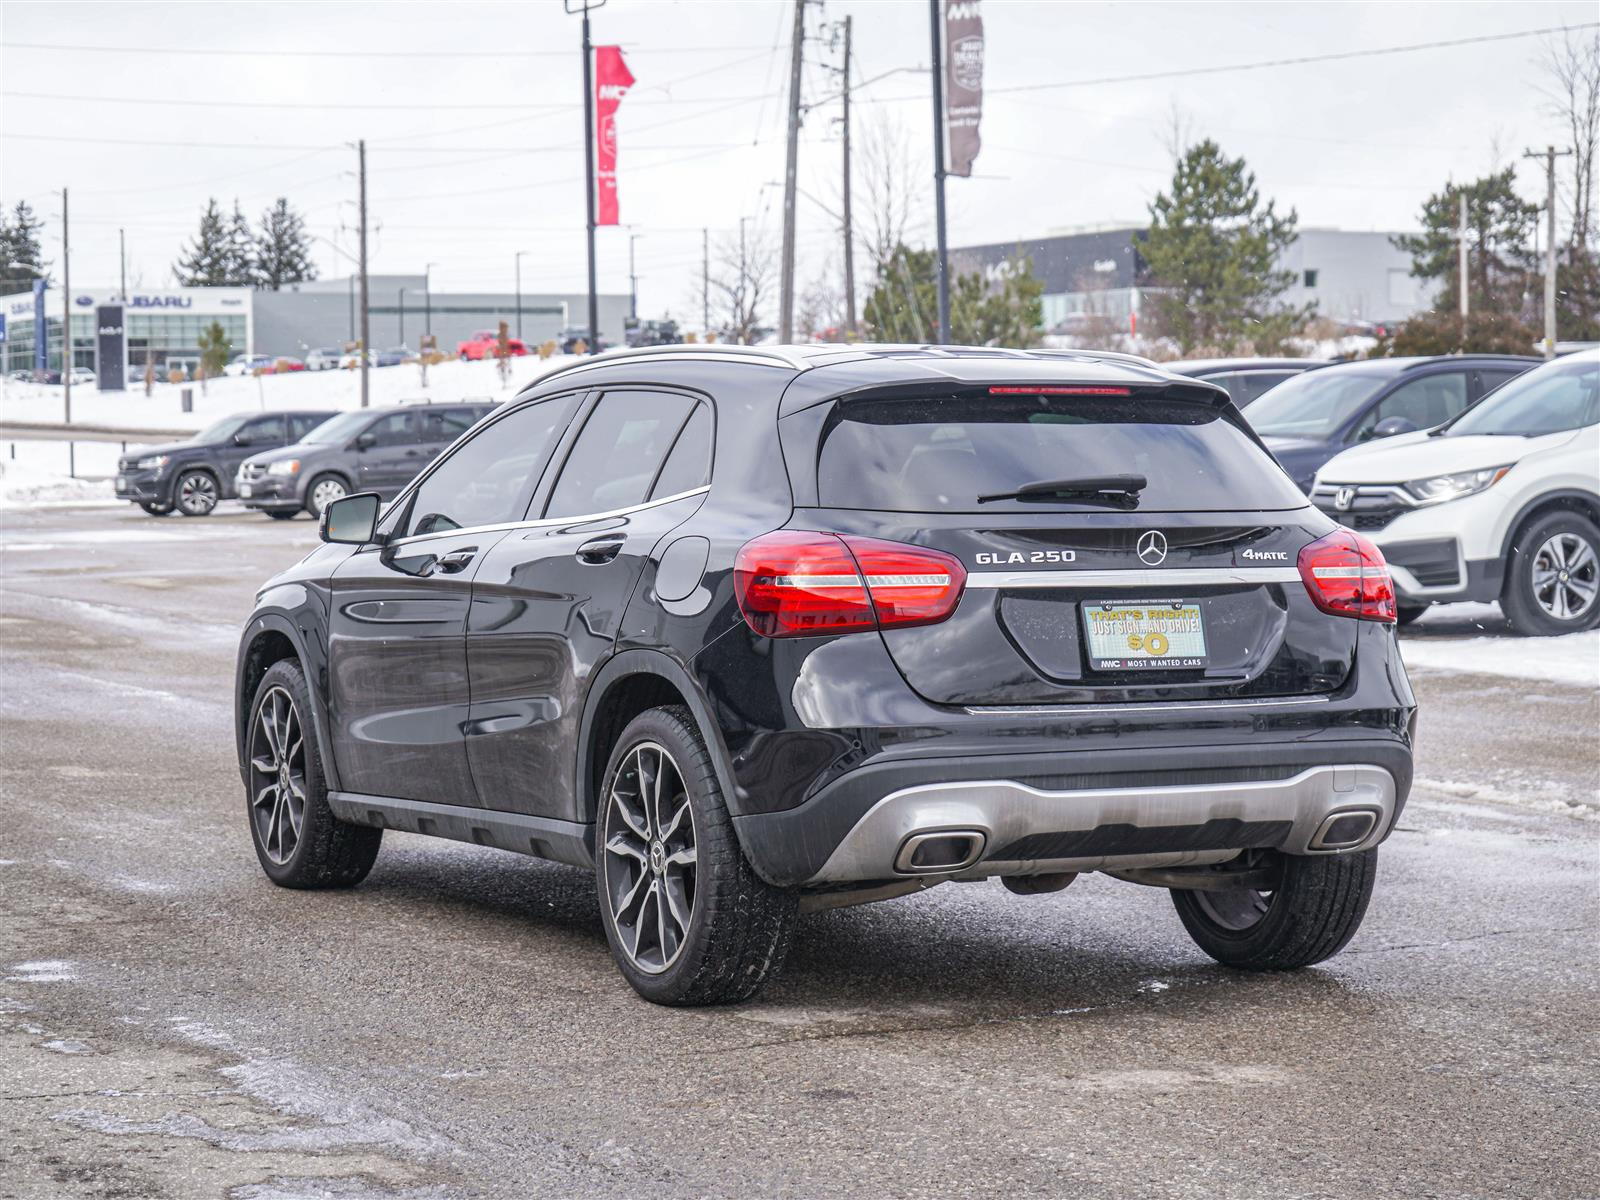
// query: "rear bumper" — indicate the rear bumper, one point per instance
point(1082, 811)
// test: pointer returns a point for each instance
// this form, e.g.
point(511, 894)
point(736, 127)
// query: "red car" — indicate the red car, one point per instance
point(483, 343)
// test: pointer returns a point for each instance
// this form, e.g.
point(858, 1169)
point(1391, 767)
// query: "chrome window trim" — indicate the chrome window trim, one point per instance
point(548, 522)
point(1133, 577)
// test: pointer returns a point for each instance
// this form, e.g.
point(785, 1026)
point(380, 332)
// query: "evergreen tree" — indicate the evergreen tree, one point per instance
point(283, 251)
point(1503, 279)
point(214, 349)
point(208, 262)
point(21, 260)
point(904, 304)
point(241, 250)
point(1212, 250)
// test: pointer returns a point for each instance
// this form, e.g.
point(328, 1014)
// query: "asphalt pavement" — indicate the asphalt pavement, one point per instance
point(172, 1025)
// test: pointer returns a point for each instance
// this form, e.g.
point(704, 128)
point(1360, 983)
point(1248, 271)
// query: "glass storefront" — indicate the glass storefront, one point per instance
point(157, 336)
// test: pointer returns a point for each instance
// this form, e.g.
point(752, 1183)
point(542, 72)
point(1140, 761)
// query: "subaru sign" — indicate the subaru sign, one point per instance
point(110, 348)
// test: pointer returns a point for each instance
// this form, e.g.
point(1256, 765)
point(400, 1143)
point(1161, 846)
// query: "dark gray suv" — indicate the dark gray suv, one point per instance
point(369, 450)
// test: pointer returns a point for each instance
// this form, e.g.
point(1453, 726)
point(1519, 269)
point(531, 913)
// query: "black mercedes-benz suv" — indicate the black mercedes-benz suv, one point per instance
point(752, 632)
point(192, 476)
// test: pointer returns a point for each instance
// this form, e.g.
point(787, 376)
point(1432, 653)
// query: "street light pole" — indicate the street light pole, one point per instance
point(588, 160)
point(427, 298)
point(402, 316)
point(941, 267)
point(633, 280)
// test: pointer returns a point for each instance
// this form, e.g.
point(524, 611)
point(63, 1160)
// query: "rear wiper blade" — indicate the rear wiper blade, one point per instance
point(1113, 489)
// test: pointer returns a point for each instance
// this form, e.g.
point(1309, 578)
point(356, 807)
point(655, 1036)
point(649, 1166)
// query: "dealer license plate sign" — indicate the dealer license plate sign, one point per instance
point(244, 491)
point(1163, 635)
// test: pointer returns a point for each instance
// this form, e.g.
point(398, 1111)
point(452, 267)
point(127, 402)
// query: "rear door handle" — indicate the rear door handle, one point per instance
point(600, 550)
point(456, 560)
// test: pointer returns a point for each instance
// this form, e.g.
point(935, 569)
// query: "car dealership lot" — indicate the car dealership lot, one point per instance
point(173, 1025)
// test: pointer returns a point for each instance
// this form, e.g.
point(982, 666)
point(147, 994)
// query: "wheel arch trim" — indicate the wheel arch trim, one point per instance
point(311, 664)
point(1559, 500)
point(617, 669)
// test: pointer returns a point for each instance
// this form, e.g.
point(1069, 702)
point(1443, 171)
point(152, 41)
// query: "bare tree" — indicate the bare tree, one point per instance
point(1177, 135)
point(893, 181)
point(820, 313)
point(1572, 66)
point(741, 283)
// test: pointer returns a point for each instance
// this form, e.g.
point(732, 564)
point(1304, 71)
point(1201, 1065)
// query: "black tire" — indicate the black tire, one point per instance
point(739, 929)
point(325, 851)
point(1407, 613)
point(155, 510)
point(313, 505)
point(1534, 584)
point(279, 514)
point(196, 493)
point(1313, 914)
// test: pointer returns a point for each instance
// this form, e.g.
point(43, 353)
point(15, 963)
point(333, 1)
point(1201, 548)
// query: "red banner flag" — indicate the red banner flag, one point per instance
point(612, 79)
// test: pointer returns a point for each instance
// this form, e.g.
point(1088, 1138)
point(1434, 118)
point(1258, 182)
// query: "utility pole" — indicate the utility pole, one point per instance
point(849, 232)
point(518, 260)
point(66, 323)
point(588, 160)
point(366, 323)
point(1461, 264)
point(941, 266)
point(427, 298)
point(1550, 155)
point(633, 280)
point(402, 316)
point(122, 259)
point(705, 282)
point(791, 171)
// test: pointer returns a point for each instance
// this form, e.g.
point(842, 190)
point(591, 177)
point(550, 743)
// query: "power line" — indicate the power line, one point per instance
point(300, 52)
point(325, 105)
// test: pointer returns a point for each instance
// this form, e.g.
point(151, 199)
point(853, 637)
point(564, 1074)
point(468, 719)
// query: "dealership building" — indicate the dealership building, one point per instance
point(1099, 272)
point(164, 325)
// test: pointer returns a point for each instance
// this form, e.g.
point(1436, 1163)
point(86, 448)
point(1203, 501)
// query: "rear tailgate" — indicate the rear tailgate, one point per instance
point(1190, 591)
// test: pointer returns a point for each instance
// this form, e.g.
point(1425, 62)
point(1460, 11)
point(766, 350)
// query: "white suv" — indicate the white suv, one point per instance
point(1502, 503)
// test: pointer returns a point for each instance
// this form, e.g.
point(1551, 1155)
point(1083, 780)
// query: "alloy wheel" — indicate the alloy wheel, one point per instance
point(326, 492)
point(197, 494)
point(650, 858)
point(1566, 576)
point(278, 775)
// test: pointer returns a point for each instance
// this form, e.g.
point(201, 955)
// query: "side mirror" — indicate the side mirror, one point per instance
point(243, 439)
point(1393, 426)
point(350, 520)
point(366, 441)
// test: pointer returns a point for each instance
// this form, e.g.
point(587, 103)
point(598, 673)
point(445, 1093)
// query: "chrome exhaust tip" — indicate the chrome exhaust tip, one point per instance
point(1344, 829)
point(939, 851)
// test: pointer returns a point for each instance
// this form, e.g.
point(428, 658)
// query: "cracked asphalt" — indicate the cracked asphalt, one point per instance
point(171, 1025)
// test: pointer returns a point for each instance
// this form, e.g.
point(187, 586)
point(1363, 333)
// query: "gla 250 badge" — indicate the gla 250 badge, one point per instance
point(986, 558)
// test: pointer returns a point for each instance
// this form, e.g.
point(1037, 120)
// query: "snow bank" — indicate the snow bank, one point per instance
point(162, 409)
point(1475, 638)
point(24, 483)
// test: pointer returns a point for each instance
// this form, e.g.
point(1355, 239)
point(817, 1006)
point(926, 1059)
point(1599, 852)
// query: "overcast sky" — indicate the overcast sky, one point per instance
point(472, 115)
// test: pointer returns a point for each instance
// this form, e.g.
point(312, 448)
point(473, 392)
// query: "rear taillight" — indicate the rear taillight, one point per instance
point(794, 582)
point(1346, 576)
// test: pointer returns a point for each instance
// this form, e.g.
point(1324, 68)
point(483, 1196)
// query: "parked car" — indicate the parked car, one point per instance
point(485, 344)
point(658, 333)
point(567, 340)
point(1502, 503)
point(249, 364)
point(392, 358)
point(1245, 378)
point(350, 360)
point(81, 375)
point(751, 631)
point(324, 358)
point(193, 475)
point(283, 365)
point(1306, 420)
point(371, 449)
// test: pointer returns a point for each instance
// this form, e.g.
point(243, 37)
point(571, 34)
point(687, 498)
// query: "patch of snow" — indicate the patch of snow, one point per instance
point(1583, 810)
point(1477, 639)
point(26, 482)
point(65, 1046)
point(42, 971)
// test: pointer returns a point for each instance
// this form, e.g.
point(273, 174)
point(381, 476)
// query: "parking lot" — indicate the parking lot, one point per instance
point(173, 1025)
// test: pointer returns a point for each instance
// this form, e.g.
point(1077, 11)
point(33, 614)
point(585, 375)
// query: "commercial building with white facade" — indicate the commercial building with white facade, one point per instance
point(164, 325)
point(1350, 275)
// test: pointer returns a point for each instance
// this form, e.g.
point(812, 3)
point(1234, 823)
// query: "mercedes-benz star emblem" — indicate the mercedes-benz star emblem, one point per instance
point(1152, 548)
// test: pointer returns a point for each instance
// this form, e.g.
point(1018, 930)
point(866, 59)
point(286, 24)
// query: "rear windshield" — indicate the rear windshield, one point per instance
point(942, 453)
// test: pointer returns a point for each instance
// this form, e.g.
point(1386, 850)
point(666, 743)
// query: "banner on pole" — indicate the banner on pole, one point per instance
point(963, 83)
point(612, 79)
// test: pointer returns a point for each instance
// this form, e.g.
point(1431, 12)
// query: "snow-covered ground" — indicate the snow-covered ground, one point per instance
point(162, 409)
point(1475, 638)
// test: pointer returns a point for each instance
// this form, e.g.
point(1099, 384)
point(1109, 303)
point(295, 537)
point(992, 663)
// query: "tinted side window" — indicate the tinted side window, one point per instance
point(617, 456)
point(1426, 402)
point(1252, 384)
point(263, 430)
point(446, 425)
point(1484, 382)
point(397, 429)
point(489, 479)
point(304, 423)
point(688, 466)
